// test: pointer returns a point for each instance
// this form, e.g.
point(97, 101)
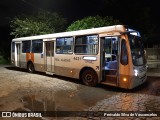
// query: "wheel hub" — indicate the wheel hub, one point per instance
point(88, 78)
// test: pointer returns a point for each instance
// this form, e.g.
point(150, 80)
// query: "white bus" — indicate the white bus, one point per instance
point(112, 55)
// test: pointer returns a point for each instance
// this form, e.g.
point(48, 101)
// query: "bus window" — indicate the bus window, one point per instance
point(124, 56)
point(64, 45)
point(86, 44)
point(137, 50)
point(26, 46)
point(37, 46)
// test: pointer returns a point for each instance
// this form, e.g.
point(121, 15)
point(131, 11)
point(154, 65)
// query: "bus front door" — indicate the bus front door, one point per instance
point(110, 60)
point(49, 53)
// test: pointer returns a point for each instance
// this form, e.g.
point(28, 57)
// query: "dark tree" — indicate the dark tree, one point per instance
point(43, 22)
point(92, 22)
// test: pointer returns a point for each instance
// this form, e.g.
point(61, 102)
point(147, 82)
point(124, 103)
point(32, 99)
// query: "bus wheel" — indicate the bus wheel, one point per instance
point(89, 77)
point(30, 67)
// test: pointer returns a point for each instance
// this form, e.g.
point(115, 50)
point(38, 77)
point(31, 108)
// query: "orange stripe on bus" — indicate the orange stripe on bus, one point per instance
point(30, 57)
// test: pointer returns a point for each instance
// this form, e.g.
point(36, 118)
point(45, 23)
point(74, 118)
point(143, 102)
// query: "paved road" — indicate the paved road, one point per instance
point(22, 91)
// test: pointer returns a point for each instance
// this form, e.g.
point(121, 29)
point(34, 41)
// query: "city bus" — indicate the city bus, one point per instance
point(111, 55)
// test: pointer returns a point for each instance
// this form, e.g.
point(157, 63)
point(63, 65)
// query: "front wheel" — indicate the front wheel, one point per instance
point(30, 67)
point(89, 77)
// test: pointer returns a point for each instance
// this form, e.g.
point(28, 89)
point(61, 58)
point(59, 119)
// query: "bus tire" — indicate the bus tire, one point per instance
point(30, 67)
point(89, 77)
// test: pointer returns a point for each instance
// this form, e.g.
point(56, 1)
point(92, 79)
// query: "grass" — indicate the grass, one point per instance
point(3, 61)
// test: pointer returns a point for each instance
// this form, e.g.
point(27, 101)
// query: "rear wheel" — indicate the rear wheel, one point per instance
point(89, 77)
point(30, 67)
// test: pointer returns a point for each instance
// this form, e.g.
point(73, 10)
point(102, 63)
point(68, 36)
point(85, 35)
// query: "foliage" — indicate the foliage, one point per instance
point(92, 22)
point(3, 60)
point(43, 22)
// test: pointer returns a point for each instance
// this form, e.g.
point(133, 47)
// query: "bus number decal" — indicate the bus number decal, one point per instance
point(77, 58)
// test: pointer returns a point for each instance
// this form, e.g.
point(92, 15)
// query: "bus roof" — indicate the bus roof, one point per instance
point(119, 28)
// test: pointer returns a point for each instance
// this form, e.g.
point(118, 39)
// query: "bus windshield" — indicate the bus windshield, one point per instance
point(137, 50)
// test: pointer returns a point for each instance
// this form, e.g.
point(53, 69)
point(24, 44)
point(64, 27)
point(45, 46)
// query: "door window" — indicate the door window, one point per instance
point(49, 49)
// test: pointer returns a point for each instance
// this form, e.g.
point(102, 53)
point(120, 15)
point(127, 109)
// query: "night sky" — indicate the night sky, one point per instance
point(74, 9)
point(127, 11)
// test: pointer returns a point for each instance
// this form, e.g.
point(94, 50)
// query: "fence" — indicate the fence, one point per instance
point(153, 60)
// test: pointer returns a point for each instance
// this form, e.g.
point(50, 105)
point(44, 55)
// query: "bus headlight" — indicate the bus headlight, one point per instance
point(136, 72)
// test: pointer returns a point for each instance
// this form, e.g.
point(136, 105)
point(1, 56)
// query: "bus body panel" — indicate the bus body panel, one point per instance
point(72, 64)
point(138, 78)
point(38, 62)
point(125, 70)
point(23, 60)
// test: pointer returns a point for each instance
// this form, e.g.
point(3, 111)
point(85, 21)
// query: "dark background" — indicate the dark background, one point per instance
point(135, 13)
point(125, 10)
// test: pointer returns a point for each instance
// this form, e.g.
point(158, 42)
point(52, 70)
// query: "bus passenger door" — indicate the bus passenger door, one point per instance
point(49, 53)
point(17, 54)
point(110, 60)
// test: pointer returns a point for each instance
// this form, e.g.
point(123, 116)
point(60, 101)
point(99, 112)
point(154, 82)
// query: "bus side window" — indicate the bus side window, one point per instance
point(86, 44)
point(64, 45)
point(26, 46)
point(124, 56)
point(37, 46)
